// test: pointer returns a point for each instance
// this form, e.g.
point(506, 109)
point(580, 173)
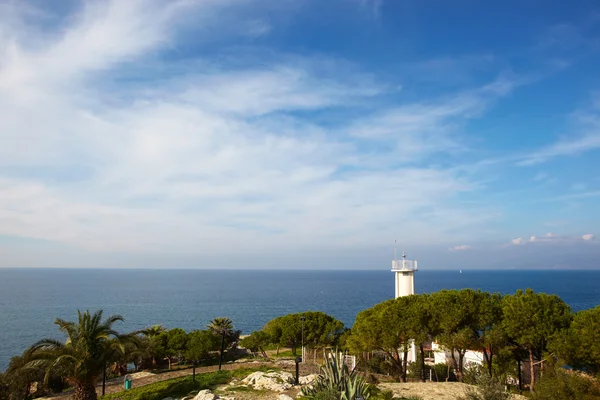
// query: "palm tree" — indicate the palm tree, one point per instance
point(152, 331)
point(152, 343)
point(91, 344)
point(221, 326)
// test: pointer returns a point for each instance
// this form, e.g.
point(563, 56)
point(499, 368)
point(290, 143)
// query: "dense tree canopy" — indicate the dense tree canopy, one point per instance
point(382, 328)
point(257, 341)
point(532, 319)
point(320, 330)
point(579, 346)
point(200, 344)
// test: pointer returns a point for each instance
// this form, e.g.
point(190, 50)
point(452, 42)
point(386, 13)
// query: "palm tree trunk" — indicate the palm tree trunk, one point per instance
point(222, 350)
point(85, 391)
point(104, 380)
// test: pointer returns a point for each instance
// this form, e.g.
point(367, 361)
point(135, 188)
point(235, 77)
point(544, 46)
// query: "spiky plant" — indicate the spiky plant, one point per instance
point(335, 376)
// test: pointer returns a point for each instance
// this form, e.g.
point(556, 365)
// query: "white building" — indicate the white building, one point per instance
point(442, 355)
point(404, 281)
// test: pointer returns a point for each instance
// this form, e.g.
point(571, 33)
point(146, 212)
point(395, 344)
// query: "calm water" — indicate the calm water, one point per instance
point(31, 299)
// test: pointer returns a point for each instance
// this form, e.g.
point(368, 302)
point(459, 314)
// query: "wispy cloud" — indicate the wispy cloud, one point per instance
point(552, 238)
point(196, 157)
point(461, 247)
point(585, 137)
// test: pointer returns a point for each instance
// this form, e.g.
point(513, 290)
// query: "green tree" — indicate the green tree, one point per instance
point(176, 340)
point(382, 328)
point(85, 353)
point(320, 330)
point(4, 387)
point(454, 313)
point(257, 341)
point(222, 327)
point(154, 330)
point(532, 319)
point(488, 332)
point(199, 346)
point(20, 376)
point(153, 344)
point(416, 316)
point(579, 346)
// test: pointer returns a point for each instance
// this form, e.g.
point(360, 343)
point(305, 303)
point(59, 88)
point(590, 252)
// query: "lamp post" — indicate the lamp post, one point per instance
point(303, 318)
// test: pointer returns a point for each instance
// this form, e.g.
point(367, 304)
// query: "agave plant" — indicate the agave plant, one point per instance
point(335, 376)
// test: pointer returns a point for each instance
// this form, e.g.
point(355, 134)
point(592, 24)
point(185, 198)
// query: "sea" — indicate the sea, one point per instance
point(31, 299)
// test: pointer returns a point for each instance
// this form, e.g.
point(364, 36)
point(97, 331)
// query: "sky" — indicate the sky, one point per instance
point(299, 134)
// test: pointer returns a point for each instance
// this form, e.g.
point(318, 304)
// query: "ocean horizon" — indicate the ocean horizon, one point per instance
point(31, 298)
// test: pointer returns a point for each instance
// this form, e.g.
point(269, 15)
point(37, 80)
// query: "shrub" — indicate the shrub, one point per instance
point(487, 389)
point(473, 374)
point(558, 384)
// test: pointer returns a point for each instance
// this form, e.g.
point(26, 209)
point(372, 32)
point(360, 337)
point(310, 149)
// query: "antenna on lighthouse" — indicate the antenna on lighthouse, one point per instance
point(395, 245)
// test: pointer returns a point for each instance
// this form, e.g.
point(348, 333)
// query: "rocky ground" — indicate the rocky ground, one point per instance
point(431, 390)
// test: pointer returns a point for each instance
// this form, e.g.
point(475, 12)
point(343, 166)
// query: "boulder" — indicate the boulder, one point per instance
point(284, 397)
point(205, 395)
point(308, 379)
point(274, 381)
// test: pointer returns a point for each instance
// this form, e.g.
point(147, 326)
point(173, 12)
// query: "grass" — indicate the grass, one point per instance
point(287, 354)
point(182, 386)
point(245, 389)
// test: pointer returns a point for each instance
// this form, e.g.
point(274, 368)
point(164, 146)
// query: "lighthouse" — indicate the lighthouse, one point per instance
point(404, 275)
point(404, 281)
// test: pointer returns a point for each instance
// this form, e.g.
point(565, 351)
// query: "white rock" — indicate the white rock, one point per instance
point(308, 379)
point(205, 395)
point(274, 381)
point(284, 397)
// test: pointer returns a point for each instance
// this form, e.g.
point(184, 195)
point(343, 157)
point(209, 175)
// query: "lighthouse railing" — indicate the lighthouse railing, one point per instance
point(409, 265)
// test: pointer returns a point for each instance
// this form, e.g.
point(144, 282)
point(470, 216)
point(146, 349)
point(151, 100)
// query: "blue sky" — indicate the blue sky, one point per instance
point(299, 134)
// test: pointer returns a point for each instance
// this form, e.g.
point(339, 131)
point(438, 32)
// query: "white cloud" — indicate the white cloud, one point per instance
point(196, 158)
point(462, 247)
point(552, 238)
point(518, 241)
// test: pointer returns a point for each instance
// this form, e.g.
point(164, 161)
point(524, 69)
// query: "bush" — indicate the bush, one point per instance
point(3, 387)
point(558, 384)
point(487, 389)
point(473, 374)
point(389, 395)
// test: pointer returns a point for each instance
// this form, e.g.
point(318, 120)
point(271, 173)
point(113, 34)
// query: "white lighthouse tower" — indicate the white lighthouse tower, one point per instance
point(404, 281)
point(405, 275)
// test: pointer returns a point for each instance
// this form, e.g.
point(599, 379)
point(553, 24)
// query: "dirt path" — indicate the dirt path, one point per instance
point(147, 378)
